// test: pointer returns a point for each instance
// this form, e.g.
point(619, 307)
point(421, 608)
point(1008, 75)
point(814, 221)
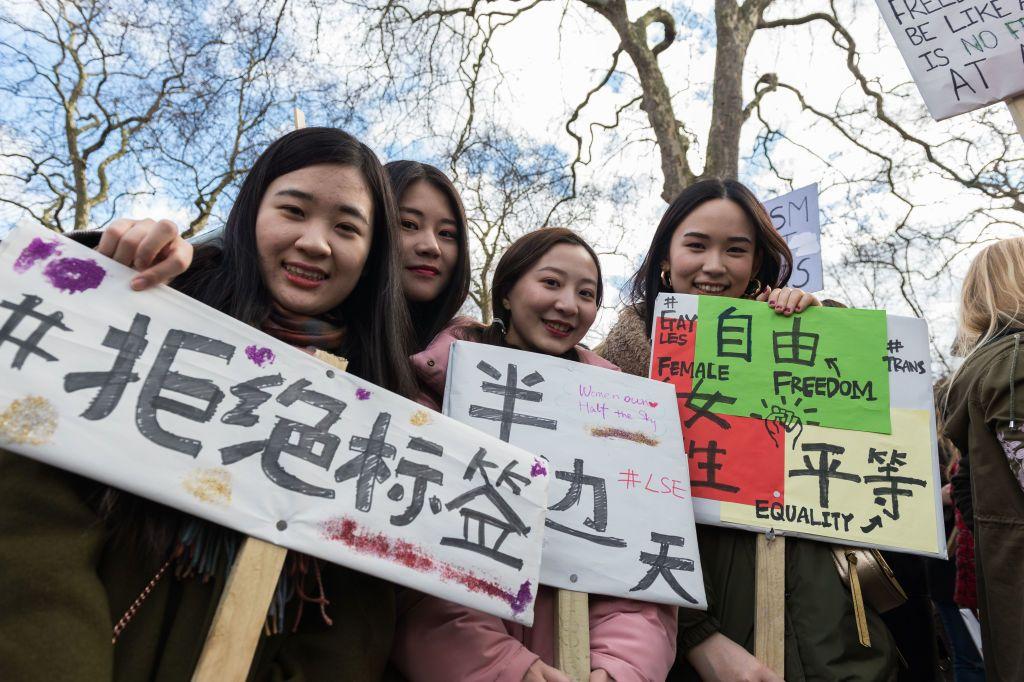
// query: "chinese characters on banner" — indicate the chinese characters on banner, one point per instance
point(962, 55)
point(820, 425)
point(619, 519)
point(159, 395)
point(795, 215)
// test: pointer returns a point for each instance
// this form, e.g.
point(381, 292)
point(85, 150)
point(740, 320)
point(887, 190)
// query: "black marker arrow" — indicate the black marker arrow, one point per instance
point(833, 365)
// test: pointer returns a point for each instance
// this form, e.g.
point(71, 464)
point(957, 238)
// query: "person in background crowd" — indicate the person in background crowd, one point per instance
point(983, 412)
point(309, 255)
point(944, 575)
point(545, 295)
point(716, 239)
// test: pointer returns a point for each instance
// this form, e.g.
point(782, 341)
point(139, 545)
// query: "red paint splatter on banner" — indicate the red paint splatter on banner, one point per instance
point(538, 469)
point(350, 533)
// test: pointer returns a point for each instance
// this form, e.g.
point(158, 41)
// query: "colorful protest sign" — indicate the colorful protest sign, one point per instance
point(759, 362)
point(795, 215)
point(778, 469)
point(619, 517)
point(962, 55)
point(156, 394)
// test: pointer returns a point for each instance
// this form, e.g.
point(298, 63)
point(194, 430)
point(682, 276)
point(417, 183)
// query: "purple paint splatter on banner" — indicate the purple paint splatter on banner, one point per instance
point(37, 250)
point(259, 355)
point(521, 600)
point(74, 275)
point(538, 469)
point(362, 394)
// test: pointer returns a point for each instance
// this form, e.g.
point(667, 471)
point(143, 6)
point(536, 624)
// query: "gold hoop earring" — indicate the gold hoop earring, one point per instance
point(666, 280)
point(754, 287)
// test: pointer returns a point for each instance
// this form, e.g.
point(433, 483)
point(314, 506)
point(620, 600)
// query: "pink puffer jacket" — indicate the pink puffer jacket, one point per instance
point(438, 641)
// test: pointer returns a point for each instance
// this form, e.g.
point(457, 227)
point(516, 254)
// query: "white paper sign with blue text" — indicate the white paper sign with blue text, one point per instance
point(154, 393)
point(620, 517)
point(795, 215)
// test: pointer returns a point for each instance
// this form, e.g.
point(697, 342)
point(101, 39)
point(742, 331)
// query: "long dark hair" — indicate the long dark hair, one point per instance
point(770, 249)
point(431, 317)
point(225, 274)
point(518, 258)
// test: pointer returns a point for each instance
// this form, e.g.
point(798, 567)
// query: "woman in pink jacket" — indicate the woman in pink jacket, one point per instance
point(545, 295)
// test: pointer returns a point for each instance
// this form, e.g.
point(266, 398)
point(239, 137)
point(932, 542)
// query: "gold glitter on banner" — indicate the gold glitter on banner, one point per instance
point(28, 421)
point(210, 485)
point(420, 418)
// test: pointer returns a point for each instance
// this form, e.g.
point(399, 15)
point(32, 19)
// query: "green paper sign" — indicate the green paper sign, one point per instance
point(825, 366)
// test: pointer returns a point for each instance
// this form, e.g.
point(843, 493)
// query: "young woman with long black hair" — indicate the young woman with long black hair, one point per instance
point(309, 254)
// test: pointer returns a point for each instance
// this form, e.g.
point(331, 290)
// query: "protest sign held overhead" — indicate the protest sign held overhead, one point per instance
point(156, 394)
point(962, 55)
point(820, 425)
point(795, 215)
point(619, 518)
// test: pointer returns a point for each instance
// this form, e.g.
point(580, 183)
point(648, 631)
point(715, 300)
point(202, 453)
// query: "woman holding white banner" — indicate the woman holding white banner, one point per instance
point(985, 420)
point(545, 295)
point(717, 239)
point(309, 255)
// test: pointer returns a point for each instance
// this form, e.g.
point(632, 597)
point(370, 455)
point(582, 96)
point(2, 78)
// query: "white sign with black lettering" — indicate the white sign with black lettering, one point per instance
point(795, 215)
point(963, 54)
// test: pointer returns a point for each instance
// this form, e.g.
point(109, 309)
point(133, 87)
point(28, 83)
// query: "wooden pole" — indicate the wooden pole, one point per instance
point(242, 611)
point(1016, 105)
point(572, 635)
point(770, 604)
point(231, 642)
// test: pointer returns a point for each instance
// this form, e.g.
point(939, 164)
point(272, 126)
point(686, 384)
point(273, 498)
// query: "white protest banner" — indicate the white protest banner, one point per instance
point(156, 394)
point(619, 521)
point(962, 55)
point(820, 425)
point(795, 215)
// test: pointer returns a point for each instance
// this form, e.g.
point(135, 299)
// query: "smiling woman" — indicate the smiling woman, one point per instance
point(313, 234)
point(434, 246)
point(309, 255)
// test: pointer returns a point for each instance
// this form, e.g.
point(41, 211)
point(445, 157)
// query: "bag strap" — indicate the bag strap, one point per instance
point(859, 612)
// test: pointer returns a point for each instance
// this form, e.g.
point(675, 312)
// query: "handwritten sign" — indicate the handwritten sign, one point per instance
point(161, 396)
point(962, 55)
point(795, 215)
point(619, 517)
point(754, 362)
point(783, 466)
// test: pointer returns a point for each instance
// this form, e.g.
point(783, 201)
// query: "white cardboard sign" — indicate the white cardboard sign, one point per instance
point(962, 55)
point(619, 520)
point(795, 215)
point(156, 394)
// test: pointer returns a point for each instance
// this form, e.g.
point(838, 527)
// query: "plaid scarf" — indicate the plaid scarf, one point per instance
point(324, 332)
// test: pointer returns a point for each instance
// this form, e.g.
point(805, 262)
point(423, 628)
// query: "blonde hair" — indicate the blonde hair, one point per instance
point(993, 295)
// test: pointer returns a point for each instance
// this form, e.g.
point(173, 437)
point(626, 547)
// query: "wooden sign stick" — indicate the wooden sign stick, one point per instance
point(572, 635)
point(1016, 105)
point(770, 604)
point(242, 611)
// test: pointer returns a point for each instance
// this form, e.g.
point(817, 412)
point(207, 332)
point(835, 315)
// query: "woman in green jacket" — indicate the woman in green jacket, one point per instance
point(985, 420)
point(97, 584)
point(717, 239)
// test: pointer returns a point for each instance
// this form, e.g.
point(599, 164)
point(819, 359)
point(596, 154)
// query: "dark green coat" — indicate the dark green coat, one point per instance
point(64, 583)
point(821, 631)
point(978, 414)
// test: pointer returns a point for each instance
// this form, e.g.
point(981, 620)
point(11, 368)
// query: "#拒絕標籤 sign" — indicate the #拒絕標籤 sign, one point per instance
point(156, 394)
